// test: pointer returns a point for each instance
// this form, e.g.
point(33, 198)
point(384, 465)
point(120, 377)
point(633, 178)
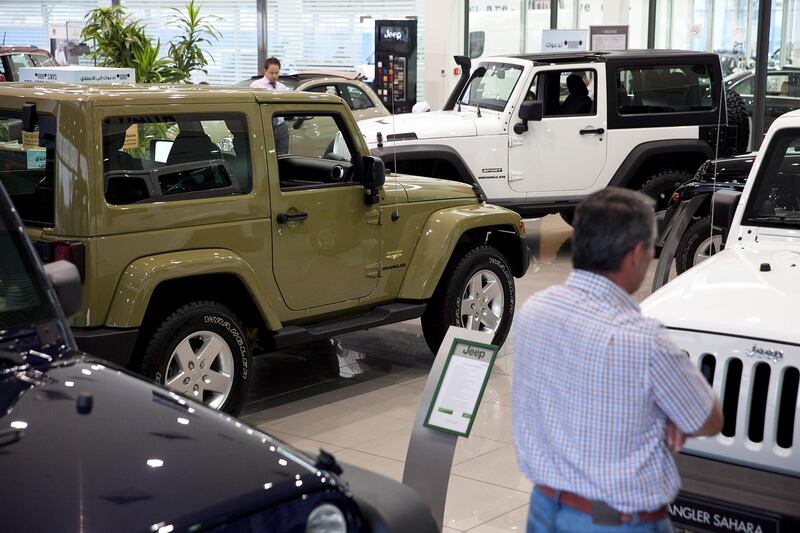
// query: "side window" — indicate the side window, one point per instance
point(745, 87)
point(174, 157)
point(783, 85)
point(664, 89)
point(358, 98)
point(317, 150)
point(566, 92)
point(3, 74)
point(17, 61)
point(327, 89)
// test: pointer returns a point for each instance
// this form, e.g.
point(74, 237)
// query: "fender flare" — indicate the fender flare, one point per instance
point(410, 152)
point(141, 277)
point(641, 153)
point(438, 240)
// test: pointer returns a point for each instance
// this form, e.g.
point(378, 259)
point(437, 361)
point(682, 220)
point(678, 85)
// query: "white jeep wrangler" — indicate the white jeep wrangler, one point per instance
point(736, 315)
point(538, 133)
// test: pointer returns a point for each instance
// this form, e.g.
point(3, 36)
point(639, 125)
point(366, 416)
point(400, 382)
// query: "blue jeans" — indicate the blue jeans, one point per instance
point(547, 516)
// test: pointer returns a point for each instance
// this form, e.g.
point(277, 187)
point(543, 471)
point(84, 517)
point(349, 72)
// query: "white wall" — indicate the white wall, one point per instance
point(443, 38)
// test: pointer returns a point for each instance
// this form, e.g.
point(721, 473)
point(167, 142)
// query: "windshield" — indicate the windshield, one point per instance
point(26, 169)
point(21, 298)
point(491, 88)
point(775, 198)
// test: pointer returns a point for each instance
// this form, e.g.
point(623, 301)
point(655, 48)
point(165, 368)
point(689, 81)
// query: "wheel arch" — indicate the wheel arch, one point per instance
point(175, 277)
point(650, 157)
point(450, 231)
point(427, 155)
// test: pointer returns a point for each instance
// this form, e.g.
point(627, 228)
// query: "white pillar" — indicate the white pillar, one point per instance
point(615, 12)
point(443, 38)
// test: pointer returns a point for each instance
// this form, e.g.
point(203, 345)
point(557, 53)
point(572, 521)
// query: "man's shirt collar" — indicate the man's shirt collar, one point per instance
point(600, 286)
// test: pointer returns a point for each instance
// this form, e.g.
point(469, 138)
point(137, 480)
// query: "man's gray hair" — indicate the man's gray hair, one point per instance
point(607, 225)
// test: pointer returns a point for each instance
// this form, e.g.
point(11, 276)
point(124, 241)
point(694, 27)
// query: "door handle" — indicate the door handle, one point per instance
point(590, 131)
point(283, 218)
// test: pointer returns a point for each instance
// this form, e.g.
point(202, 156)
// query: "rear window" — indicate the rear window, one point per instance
point(177, 157)
point(664, 89)
point(27, 169)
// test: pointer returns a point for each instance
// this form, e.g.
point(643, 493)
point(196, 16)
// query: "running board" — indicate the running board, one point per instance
point(379, 316)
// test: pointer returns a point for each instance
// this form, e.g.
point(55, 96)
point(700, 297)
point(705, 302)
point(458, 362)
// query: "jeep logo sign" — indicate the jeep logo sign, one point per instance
point(756, 352)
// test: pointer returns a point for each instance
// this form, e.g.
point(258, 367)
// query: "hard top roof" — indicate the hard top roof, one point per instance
point(128, 93)
point(600, 56)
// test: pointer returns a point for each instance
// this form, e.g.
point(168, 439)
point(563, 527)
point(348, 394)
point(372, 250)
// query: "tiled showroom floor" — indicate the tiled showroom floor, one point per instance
point(357, 396)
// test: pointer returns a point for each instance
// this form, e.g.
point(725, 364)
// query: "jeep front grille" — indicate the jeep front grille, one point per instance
point(757, 383)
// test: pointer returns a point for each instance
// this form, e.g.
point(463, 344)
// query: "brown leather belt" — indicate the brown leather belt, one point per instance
point(583, 505)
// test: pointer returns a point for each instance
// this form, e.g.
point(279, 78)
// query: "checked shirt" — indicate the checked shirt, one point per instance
point(594, 384)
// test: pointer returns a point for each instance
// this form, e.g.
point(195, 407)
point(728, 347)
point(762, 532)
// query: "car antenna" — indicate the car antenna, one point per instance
point(722, 106)
point(4, 38)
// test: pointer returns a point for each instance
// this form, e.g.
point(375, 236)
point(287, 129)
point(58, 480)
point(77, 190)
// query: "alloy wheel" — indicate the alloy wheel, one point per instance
point(201, 367)
point(482, 302)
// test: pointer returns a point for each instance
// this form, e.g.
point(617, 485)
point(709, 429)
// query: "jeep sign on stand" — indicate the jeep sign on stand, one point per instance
point(537, 133)
point(735, 315)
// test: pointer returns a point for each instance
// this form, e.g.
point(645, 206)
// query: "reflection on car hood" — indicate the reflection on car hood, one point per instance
point(419, 189)
point(140, 457)
point(432, 125)
point(729, 294)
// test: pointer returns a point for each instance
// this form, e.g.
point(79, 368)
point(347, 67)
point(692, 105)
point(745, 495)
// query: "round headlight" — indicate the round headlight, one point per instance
point(326, 518)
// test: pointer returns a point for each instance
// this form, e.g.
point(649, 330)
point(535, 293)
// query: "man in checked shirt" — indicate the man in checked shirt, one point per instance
point(602, 397)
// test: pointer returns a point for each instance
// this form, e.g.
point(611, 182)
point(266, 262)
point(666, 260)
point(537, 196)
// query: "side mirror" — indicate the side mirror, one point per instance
point(373, 178)
point(725, 203)
point(529, 110)
point(66, 280)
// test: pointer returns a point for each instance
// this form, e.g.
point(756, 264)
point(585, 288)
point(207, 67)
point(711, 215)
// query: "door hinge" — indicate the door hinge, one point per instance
point(516, 175)
point(374, 270)
point(374, 216)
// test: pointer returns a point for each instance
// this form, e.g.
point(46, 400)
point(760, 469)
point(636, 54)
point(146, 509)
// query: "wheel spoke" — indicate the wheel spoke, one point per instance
point(210, 350)
point(176, 383)
point(217, 382)
point(491, 291)
point(491, 320)
point(184, 354)
point(475, 285)
point(466, 306)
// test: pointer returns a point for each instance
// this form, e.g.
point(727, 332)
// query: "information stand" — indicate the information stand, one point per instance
point(446, 411)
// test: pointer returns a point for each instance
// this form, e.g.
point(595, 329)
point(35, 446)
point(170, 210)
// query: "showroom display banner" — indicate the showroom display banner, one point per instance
point(606, 38)
point(433, 439)
point(564, 40)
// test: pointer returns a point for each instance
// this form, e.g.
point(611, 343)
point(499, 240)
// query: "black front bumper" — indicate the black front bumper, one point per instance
point(715, 494)
point(113, 344)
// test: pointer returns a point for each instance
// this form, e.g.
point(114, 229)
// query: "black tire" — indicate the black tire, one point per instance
point(662, 184)
point(159, 364)
point(737, 116)
point(696, 238)
point(444, 308)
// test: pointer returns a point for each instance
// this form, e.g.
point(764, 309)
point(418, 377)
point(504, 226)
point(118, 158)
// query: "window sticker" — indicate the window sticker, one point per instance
point(36, 158)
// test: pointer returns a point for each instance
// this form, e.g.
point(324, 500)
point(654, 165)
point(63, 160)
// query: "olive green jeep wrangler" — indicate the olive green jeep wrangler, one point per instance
point(213, 224)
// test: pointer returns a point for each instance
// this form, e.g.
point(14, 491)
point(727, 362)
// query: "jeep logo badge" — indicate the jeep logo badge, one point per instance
point(762, 353)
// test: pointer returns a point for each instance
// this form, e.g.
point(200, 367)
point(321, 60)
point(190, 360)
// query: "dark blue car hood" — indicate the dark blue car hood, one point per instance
point(141, 456)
